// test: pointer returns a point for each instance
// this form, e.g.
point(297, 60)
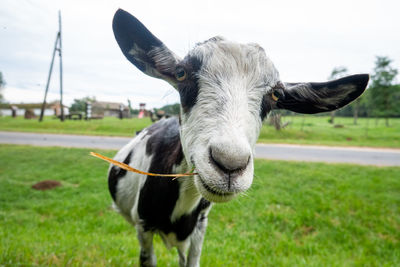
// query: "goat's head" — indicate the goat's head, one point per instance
point(226, 90)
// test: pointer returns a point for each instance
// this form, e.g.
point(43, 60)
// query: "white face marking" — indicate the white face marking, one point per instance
point(226, 118)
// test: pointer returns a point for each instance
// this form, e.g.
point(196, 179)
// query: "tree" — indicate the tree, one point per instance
point(172, 109)
point(336, 73)
point(2, 85)
point(383, 93)
point(79, 105)
point(130, 107)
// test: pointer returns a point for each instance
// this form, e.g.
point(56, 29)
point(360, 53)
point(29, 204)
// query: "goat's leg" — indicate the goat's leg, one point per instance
point(182, 258)
point(196, 242)
point(182, 251)
point(147, 256)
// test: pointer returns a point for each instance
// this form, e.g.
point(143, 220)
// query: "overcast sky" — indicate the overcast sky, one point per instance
point(305, 39)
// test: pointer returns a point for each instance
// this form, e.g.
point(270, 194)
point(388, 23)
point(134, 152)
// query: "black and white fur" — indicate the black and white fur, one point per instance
point(227, 90)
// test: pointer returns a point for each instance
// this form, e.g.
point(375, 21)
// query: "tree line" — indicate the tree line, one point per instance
point(2, 84)
point(382, 97)
point(380, 100)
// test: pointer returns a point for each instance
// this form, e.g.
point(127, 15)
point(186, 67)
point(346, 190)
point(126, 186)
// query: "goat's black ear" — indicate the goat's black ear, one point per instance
point(143, 49)
point(320, 97)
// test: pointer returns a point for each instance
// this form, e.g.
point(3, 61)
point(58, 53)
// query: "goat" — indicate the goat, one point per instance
point(226, 89)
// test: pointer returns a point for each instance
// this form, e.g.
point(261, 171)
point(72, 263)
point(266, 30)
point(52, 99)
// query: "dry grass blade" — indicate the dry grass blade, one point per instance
point(129, 168)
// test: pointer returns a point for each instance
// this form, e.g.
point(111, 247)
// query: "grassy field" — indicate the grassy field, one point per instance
point(109, 126)
point(308, 129)
point(316, 130)
point(295, 214)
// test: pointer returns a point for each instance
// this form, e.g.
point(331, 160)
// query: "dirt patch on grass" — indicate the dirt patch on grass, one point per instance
point(46, 185)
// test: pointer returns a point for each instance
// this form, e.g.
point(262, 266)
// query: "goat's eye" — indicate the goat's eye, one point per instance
point(275, 96)
point(278, 94)
point(180, 74)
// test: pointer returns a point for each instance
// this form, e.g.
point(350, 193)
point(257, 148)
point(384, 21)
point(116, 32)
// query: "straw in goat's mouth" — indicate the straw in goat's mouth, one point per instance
point(129, 168)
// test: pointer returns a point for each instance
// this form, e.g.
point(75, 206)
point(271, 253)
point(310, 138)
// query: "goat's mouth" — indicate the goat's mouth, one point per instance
point(213, 186)
point(213, 195)
point(209, 189)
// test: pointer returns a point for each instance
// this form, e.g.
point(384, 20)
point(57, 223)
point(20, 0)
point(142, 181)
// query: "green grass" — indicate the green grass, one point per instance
point(313, 130)
point(109, 126)
point(295, 214)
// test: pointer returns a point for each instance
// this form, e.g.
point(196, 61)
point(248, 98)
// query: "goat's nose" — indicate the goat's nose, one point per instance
point(229, 158)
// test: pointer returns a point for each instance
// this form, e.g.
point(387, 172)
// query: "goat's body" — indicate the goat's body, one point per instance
point(172, 208)
point(226, 89)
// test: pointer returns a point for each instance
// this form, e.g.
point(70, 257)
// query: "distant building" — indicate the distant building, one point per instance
point(110, 109)
point(51, 109)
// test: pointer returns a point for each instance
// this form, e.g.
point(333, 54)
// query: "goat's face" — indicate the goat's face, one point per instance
point(221, 99)
point(226, 89)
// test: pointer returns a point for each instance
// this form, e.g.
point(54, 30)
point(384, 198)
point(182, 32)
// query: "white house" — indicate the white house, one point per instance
point(51, 109)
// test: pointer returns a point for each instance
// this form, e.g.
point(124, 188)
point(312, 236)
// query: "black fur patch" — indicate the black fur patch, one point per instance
point(265, 107)
point(158, 195)
point(115, 174)
point(184, 226)
point(130, 32)
point(189, 88)
point(150, 131)
point(295, 102)
point(143, 258)
point(137, 43)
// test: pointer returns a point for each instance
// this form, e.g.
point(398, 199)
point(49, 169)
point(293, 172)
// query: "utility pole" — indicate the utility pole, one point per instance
point(57, 47)
point(61, 69)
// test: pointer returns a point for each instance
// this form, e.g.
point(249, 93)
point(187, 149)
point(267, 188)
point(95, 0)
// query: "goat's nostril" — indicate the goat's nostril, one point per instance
point(217, 163)
point(228, 162)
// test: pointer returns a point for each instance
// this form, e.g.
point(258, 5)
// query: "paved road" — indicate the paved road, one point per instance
point(355, 155)
point(364, 156)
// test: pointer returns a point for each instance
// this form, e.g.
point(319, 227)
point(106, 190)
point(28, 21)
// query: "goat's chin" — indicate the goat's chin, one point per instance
point(214, 186)
point(211, 194)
